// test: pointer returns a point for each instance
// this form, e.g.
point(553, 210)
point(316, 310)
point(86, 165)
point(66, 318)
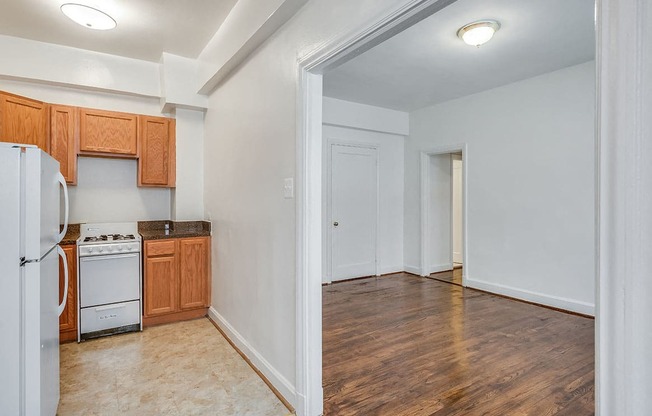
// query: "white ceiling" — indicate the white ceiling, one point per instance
point(146, 28)
point(428, 64)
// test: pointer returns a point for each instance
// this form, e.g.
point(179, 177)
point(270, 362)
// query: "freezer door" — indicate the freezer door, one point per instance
point(41, 328)
point(41, 194)
point(10, 280)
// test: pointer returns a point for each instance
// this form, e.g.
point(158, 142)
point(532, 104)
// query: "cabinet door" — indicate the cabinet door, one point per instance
point(68, 319)
point(108, 133)
point(23, 120)
point(160, 285)
point(64, 139)
point(193, 272)
point(157, 163)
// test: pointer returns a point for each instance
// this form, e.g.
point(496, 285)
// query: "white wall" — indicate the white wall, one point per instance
point(144, 203)
point(386, 129)
point(530, 161)
point(106, 192)
point(32, 60)
point(250, 145)
point(364, 117)
point(390, 163)
point(247, 26)
point(188, 196)
point(439, 217)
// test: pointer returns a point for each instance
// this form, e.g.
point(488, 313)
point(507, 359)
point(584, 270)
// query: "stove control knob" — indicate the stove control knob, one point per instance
point(101, 249)
point(90, 249)
point(109, 249)
point(120, 248)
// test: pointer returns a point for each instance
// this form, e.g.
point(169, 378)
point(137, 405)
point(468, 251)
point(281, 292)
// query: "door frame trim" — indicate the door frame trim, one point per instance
point(622, 173)
point(330, 142)
point(309, 397)
point(424, 202)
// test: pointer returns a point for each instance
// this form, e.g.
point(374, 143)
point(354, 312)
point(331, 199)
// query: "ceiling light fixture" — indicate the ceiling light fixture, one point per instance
point(88, 16)
point(478, 33)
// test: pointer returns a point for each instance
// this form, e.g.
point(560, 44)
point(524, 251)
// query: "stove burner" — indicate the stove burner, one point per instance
point(110, 237)
point(122, 237)
point(95, 239)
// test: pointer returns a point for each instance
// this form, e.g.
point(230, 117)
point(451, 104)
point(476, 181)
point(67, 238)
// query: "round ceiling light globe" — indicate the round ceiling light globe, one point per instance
point(478, 33)
point(88, 17)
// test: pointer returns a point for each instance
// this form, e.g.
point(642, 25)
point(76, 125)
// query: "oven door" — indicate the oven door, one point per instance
point(109, 279)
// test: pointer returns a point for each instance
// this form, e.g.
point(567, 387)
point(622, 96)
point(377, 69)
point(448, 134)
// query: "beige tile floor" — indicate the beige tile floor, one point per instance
point(185, 368)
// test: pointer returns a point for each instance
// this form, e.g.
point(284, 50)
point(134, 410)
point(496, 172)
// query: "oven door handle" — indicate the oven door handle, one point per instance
point(108, 256)
point(111, 307)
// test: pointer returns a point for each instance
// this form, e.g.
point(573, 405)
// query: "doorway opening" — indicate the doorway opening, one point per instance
point(443, 214)
point(310, 207)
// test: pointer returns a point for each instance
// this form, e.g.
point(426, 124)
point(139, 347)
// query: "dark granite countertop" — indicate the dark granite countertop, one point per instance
point(71, 235)
point(155, 230)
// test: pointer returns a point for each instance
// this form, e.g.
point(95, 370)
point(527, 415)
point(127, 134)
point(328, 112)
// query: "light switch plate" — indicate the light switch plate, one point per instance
point(288, 188)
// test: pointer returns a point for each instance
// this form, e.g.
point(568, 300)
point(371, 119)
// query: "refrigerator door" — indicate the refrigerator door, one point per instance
point(41, 329)
point(10, 290)
point(42, 203)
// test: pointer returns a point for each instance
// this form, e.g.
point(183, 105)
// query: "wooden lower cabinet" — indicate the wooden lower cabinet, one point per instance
point(68, 319)
point(176, 279)
point(161, 283)
point(193, 273)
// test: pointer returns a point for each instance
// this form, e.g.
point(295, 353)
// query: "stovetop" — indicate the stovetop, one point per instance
point(108, 233)
point(103, 238)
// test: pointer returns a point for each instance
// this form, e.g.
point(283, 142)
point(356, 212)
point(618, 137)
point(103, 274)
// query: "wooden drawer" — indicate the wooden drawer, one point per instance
point(160, 248)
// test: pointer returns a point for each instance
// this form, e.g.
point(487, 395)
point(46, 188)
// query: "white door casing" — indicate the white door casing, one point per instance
point(353, 210)
point(623, 339)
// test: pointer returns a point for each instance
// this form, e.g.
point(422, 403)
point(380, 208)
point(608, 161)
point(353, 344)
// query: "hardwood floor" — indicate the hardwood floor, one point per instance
point(405, 345)
point(450, 276)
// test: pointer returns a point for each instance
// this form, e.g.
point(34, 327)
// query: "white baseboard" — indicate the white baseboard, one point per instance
point(548, 300)
point(412, 269)
point(281, 384)
point(441, 268)
point(391, 269)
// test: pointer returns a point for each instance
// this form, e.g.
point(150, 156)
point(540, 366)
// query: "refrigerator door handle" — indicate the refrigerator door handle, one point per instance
point(62, 254)
point(66, 205)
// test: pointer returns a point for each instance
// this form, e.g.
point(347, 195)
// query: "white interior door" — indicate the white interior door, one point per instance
point(354, 211)
point(458, 235)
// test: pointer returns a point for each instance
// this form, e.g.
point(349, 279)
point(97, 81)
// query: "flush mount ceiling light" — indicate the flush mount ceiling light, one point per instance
point(478, 33)
point(88, 16)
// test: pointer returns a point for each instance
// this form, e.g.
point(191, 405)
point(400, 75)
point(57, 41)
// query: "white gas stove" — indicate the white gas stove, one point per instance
point(109, 279)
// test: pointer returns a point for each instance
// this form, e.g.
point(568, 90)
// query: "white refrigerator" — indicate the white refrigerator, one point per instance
point(30, 189)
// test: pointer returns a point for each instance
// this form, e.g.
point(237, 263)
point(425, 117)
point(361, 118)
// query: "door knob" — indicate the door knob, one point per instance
point(336, 223)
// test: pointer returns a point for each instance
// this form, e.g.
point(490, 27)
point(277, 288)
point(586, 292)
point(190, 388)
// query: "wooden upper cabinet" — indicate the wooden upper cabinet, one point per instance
point(157, 141)
point(23, 120)
point(193, 272)
point(64, 139)
point(108, 133)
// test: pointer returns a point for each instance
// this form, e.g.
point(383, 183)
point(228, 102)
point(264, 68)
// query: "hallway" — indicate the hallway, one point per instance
point(405, 345)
